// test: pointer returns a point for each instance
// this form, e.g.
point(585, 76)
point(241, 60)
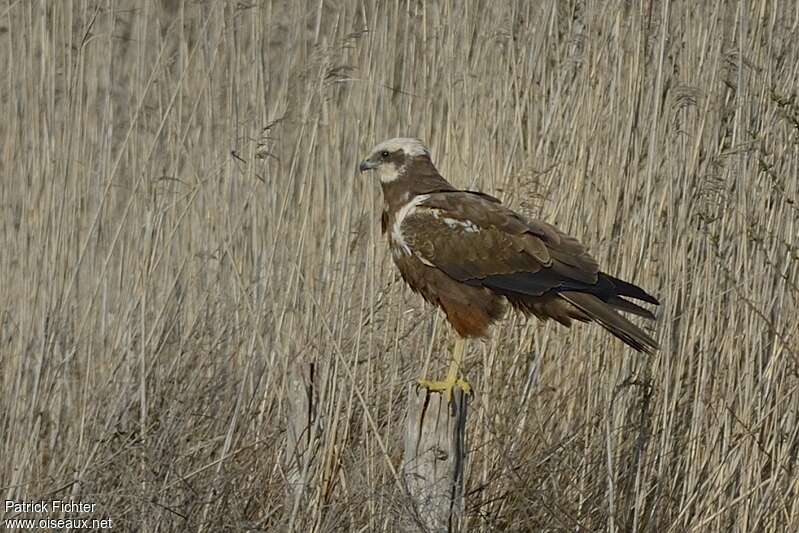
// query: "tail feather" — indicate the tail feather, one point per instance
point(627, 306)
point(549, 294)
point(613, 322)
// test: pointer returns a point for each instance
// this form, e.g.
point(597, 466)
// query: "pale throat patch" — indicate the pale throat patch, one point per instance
point(396, 228)
point(389, 172)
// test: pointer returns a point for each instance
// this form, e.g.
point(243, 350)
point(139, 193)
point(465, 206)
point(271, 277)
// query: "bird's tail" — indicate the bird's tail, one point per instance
point(604, 314)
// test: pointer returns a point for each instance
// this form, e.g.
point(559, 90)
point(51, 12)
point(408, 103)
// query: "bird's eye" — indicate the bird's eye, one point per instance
point(384, 154)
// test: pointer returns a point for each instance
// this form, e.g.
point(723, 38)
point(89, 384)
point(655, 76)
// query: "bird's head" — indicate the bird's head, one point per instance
point(393, 158)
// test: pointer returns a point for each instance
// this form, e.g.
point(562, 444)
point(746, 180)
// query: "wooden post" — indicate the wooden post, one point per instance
point(302, 439)
point(434, 459)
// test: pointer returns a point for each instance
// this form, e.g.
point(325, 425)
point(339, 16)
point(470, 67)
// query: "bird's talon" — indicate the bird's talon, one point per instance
point(446, 387)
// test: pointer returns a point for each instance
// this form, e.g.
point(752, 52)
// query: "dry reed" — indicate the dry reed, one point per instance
point(182, 219)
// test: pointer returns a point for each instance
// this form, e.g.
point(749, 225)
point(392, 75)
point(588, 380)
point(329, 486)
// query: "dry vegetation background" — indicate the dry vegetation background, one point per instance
point(182, 220)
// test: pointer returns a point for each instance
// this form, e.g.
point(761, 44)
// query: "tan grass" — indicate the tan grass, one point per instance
point(154, 287)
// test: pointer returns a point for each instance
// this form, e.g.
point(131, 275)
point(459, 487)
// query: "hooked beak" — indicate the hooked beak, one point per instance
point(366, 165)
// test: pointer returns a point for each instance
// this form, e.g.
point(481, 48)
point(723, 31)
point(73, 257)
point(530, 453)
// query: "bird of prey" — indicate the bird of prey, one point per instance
point(468, 254)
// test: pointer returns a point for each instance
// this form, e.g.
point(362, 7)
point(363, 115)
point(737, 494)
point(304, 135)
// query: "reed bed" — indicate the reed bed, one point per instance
point(182, 221)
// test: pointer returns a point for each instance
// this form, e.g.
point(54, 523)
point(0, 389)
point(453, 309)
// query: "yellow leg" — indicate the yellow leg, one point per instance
point(451, 381)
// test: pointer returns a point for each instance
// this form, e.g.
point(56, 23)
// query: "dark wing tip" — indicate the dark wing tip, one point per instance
point(631, 291)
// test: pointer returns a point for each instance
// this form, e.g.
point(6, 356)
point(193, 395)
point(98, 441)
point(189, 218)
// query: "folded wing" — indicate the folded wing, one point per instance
point(539, 269)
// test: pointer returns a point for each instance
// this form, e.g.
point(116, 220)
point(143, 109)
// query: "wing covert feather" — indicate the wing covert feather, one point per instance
point(472, 238)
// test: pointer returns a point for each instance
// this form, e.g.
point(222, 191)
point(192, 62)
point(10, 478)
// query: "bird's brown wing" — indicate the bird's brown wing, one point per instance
point(472, 238)
point(538, 268)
